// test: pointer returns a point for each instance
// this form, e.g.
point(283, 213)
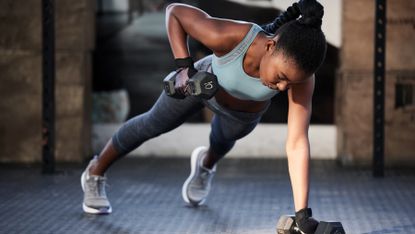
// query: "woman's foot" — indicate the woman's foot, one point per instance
point(197, 186)
point(95, 198)
point(305, 222)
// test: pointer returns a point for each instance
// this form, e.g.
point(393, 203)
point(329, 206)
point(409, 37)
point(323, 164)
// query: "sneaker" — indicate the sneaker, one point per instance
point(95, 198)
point(197, 186)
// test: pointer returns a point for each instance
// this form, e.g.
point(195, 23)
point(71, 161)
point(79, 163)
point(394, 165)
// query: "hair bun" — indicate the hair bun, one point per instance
point(312, 13)
point(311, 21)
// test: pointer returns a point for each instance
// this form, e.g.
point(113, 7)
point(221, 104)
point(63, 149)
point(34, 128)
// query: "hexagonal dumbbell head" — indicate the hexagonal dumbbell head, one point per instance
point(204, 84)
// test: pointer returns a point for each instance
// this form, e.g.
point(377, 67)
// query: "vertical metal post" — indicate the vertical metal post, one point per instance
point(379, 89)
point(48, 99)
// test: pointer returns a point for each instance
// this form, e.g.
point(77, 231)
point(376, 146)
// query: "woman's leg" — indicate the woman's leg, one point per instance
point(225, 132)
point(105, 159)
point(166, 114)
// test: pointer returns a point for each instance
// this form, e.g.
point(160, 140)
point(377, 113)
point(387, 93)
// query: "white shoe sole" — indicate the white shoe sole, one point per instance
point(91, 210)
point(193, 164)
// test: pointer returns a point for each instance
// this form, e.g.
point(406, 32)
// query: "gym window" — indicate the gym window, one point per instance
point(404, 95)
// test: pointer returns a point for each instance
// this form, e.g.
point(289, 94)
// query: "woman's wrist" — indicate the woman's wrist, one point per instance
point(185, 63)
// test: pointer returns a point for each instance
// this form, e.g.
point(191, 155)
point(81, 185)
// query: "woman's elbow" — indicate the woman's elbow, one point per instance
point(170, 7)
point(173, 7)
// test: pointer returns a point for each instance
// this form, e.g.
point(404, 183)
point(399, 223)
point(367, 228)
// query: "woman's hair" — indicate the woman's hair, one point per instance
point(292, 13)
point(299, 34)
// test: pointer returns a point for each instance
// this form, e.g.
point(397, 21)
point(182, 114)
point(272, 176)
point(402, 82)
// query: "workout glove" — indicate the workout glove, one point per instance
point(305, 222)
point(185, 70)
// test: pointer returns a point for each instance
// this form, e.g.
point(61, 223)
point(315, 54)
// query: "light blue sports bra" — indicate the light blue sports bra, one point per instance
point(232, 77)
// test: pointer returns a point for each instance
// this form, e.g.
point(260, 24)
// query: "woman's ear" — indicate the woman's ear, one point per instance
point(270, 45)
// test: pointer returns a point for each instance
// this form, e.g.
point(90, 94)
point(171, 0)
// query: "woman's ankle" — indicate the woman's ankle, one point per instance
point(93, 170)
point(209, 160)
point(207, 163)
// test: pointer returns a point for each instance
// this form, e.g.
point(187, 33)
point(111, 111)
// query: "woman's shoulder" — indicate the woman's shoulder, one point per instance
point(233, 33)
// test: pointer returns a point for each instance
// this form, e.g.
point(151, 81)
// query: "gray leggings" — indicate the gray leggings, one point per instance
point(167, 113)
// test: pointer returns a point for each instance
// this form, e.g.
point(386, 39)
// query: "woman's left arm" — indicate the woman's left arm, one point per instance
point(297, 145)
point(299, 112)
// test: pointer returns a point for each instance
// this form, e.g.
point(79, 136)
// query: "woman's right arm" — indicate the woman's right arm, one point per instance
point(219, 35)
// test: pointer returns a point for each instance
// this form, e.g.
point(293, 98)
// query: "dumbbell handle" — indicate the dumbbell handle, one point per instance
point(201, 84)
point(169, 83)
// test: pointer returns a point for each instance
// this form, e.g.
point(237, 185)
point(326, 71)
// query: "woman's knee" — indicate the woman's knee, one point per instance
point(225, 133)
point(139, 129)
point(131, 134)
point(229, 130)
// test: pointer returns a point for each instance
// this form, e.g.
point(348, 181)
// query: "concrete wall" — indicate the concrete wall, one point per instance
point(21, 79)
point(354, 91)
point(265, 141)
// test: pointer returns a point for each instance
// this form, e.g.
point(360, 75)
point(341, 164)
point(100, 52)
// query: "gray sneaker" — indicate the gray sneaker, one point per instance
point(95, 198)
point(197, 186)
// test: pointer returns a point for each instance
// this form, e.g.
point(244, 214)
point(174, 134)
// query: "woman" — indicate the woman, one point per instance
point(252, 65)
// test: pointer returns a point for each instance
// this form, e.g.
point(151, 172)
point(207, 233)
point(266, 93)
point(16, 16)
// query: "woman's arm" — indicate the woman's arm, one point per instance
point(219, 35)
point(297, 145)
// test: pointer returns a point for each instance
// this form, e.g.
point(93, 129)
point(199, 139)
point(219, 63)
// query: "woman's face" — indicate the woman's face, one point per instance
point(279, 72)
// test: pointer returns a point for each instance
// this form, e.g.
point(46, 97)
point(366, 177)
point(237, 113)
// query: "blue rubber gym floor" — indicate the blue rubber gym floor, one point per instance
point(248, 196)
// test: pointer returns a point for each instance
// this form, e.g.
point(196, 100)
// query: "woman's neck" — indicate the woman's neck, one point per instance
point(254, 55)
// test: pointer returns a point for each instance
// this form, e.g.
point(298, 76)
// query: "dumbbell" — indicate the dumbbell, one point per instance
point(286, 225)
point(202, 84)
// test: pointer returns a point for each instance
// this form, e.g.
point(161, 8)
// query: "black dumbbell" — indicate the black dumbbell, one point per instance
point(286, 225)
point(168, 83)
point(202, 84)
point(330, 228)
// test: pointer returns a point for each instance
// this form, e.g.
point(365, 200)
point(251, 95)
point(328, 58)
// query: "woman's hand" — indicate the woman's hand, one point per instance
point(181, 84)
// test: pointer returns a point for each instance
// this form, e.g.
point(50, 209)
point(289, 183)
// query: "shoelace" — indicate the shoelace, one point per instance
point(204, 176)
point(98, 187)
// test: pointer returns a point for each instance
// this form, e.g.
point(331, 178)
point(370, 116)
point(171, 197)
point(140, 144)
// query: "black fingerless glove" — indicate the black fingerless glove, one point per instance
point(305, 222)
point(183, 63)
point(181, 84)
